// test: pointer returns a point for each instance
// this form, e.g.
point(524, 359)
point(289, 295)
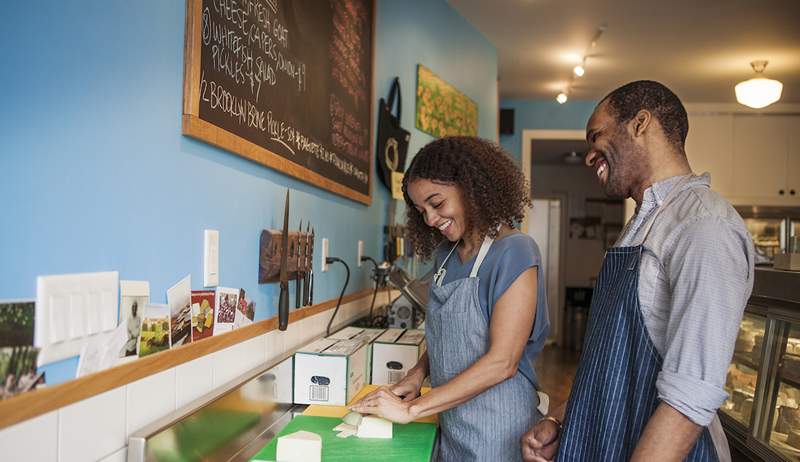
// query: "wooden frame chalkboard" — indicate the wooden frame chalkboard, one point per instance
point(286, 84)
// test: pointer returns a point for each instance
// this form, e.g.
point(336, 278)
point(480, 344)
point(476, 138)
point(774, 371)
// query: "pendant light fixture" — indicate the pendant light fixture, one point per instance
point(759, 91)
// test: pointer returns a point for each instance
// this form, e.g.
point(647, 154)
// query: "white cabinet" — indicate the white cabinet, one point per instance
point(760, 151)
point(709, 148)
point(754, 159)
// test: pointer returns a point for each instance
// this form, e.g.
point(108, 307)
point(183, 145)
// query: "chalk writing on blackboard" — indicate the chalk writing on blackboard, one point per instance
point(291, 77)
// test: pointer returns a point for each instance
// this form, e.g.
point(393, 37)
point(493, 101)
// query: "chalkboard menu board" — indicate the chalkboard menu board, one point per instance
point(285, 83)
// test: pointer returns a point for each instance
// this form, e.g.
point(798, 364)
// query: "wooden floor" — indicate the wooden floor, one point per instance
point(555, 368)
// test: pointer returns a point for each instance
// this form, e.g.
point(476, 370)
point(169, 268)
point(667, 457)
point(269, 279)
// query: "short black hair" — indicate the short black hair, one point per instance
point(656, 98)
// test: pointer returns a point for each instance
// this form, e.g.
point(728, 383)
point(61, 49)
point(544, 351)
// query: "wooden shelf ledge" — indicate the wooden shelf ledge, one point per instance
point(37, 402)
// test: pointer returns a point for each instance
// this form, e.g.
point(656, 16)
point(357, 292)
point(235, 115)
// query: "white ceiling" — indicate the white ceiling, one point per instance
point(700, 49)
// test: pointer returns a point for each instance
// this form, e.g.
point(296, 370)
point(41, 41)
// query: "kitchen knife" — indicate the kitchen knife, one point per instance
point(298, 250)
point(306, 262)
point(283, 300)
point(311, 271)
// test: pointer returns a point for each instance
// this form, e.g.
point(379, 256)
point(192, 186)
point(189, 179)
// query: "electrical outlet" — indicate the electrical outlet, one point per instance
point(324, 254)
point(210, 258)
point(360, 252)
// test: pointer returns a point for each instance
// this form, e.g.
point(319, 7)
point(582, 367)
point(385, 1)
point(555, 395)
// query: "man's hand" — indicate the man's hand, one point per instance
point(540, 443)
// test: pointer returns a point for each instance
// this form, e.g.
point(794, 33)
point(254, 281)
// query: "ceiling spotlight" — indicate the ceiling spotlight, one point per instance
point(579, 70)
point(759, 91)
point(561, 98)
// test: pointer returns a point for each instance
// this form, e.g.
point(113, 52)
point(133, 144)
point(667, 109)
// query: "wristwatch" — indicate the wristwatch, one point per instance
point(555, 421)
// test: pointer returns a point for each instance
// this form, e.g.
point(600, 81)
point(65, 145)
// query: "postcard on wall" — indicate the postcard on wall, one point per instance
point(154, 332)
point(202, 314)
point(179, 299)
point(17, 354)
point(243, 315)
point(133, 296)
point(226, 303)
point(16, 322)
point(102, 350)
point(18, 370)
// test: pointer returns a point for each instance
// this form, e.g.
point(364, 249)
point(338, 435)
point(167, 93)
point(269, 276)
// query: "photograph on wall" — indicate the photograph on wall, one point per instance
point(17, 353)
point(179, 299)
point(226, 304)
point(245, 311)
point(154, 332)
point(133, 296)
point(442, 110)
point(202, 314)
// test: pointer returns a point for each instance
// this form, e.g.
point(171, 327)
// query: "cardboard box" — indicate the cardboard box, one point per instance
point(368, 335)
point(330, 371)
point(394, 353)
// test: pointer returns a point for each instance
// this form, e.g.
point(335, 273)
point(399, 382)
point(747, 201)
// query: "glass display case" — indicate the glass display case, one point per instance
point(762, 413)
point(772, 229)
point(743, 371)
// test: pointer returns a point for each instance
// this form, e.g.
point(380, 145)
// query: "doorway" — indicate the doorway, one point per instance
point(572, 240)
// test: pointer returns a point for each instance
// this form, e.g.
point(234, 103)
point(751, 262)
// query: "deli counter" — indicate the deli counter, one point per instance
point(762, 413)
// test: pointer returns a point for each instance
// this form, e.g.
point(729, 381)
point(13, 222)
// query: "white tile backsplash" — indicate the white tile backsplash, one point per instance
point(227, 364)
point(97, 428)
point(118, 456)
point(274, 344)
point(93, 428)
point(253, 353)
point(35, 439)
point(193, 380)
point(149, 399)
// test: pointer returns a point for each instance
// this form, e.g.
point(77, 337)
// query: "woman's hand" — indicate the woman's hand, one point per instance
point(384, 403)
point(408, 388)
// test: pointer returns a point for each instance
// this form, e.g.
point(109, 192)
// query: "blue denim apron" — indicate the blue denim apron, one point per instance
point(614, 392)
point(487, 427)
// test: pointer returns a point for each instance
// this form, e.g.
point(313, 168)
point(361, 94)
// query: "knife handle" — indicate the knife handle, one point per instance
point(283, 307)
point(298, 292)
point(306, 280)
point(311, 287)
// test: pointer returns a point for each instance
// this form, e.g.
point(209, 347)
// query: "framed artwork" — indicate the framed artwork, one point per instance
point(442, 110)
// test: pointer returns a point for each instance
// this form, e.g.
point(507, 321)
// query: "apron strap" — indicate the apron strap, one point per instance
point(487, 242)
point(438, 277)
point(667, 200)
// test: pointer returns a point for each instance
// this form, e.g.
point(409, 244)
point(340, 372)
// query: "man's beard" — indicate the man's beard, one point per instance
point(629, 161)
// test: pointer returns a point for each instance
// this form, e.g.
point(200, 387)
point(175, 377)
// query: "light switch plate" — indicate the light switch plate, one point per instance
point(324, 254)
point(360, 252)
point(210, 258)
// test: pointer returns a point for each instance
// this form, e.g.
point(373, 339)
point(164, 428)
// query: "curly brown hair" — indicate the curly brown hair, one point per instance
point(493, 189)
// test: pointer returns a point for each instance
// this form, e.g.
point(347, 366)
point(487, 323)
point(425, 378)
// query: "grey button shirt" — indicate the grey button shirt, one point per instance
point(696, 275)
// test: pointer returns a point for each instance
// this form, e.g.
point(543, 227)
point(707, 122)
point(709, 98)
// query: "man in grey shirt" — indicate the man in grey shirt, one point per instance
point(669, 300)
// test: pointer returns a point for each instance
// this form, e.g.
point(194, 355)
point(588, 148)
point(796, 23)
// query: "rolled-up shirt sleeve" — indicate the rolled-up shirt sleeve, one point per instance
point(710, 273)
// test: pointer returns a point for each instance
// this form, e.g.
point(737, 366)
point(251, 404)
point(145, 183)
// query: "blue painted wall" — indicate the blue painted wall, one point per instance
point(435, 35)
point(543, 115)
point(96, 175)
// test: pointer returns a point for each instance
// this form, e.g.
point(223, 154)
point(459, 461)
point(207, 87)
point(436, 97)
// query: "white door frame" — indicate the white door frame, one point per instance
point(528, 137)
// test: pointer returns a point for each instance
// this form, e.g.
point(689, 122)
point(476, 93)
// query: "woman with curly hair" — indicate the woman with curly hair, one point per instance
point(487, 314)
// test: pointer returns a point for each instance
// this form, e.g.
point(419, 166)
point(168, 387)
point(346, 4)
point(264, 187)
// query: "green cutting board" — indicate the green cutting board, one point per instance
point(410, 443)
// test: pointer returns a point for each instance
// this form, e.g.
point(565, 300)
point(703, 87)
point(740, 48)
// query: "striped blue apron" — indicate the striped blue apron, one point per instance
point(614, 392)
point(487, 427)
